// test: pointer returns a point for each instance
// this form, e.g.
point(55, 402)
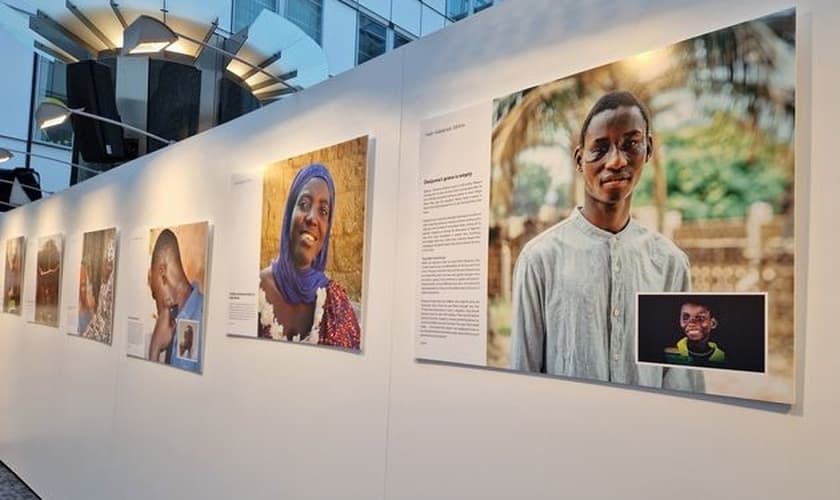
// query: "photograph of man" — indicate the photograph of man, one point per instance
point(48, 280)
point(187, 341)
point(176, 298)
point(96, 285)
point(13, 276)
point(697, 322)
point(725, 331)
point(657, 173)
point(575, 284)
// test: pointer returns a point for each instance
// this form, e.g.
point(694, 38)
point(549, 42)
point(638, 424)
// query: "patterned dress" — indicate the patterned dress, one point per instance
point(334, 321)
point(99, 328)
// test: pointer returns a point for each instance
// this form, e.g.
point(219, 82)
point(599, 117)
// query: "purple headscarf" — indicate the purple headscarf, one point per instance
point(298, 286)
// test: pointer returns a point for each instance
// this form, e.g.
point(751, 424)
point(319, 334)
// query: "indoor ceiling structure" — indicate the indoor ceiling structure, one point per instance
point(272, 56)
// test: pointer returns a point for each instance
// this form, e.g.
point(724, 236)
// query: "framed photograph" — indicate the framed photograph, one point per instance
point(312, 241)
point(172, 332)
point(13, 275)
point(97, 279)
point(668, 172)
point(48, 280)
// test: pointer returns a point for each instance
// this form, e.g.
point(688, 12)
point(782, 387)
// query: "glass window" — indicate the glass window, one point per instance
point(400, 40)
point(457, 9)
point(245, 11)
point(52, 82)
point(371, 38)
point(307, 14)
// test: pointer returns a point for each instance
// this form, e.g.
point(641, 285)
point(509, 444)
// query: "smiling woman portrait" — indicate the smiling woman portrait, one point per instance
point(298, 301)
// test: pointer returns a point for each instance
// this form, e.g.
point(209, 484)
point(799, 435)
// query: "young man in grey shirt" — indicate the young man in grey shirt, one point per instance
point(575, 285)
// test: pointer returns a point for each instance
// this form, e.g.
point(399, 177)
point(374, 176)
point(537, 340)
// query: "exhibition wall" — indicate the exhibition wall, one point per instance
point(80, 419)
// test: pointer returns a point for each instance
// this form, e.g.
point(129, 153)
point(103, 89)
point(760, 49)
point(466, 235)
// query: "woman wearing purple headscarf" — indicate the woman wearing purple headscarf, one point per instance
point(297, 301)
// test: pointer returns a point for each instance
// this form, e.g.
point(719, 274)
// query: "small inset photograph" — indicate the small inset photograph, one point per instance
point(187, 340)
point(719, 331)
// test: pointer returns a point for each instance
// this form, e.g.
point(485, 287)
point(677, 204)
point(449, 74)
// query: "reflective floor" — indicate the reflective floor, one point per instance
point(12, 488)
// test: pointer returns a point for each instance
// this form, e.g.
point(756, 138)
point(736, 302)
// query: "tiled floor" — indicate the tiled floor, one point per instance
point(12, 488)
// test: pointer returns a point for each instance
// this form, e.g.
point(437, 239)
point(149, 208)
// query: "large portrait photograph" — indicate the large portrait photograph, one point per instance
point(48, 280)
point(670, 172)
point(312, 242)
point(97, 274)
point(13, 275)
point(172, 330)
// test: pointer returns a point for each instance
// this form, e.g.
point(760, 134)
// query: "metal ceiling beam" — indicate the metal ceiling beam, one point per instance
point(269, 83)
point(27, 186)
point(116, 8)
point(213, 26)
point(234, 43)
point(54, 53)
point(60, 36)
point(271, 59)
point(18, 9)
point(63, 162)
point(274, 94)
point(89, 24)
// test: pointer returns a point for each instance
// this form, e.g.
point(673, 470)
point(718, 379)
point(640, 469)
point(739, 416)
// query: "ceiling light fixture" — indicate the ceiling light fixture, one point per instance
point(146, 35)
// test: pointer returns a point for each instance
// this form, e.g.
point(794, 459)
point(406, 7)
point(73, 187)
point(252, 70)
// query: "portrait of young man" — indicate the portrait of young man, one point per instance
point(574, 285)
point(723, 332)
point(697, 322)
point(176, 281)
point(653, 174)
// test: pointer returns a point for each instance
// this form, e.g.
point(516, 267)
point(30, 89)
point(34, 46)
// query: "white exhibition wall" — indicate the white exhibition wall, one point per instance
point(81, 420)
point(274, 420)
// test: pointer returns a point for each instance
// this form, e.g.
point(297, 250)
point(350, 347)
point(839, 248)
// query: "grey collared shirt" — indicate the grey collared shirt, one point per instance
point(574, 302)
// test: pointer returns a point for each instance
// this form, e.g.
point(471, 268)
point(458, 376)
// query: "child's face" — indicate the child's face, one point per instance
point(697, 322)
